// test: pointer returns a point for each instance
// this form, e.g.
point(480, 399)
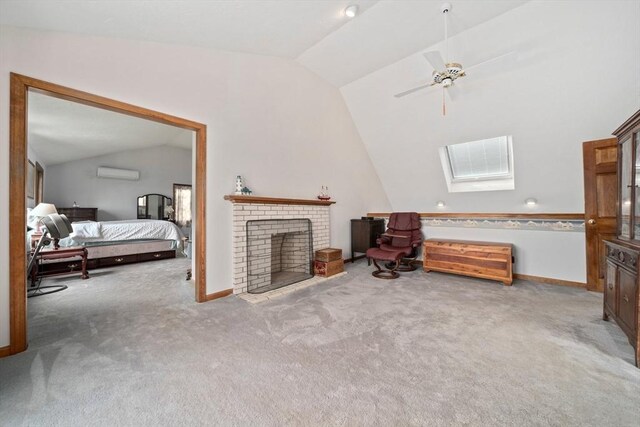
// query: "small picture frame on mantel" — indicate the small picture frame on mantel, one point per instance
point(31, 180)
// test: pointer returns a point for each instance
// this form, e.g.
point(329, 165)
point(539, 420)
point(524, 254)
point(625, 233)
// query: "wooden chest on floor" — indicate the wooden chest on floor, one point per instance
point(328, 254)
point(486, 260)
point(327, 269)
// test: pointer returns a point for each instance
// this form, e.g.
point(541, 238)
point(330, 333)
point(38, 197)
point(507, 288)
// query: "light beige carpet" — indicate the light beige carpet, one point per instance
point(131, 347)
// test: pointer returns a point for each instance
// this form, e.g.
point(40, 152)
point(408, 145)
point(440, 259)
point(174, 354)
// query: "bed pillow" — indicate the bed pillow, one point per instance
point(86, 230)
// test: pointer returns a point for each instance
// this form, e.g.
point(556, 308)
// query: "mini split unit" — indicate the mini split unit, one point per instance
point(113, 173)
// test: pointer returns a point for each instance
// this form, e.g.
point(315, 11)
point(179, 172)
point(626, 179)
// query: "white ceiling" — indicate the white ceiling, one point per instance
point(267, 27)
point(60, 131)
point(314, 32)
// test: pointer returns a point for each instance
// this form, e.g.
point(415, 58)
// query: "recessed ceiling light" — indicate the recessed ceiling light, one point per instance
point(351, 11)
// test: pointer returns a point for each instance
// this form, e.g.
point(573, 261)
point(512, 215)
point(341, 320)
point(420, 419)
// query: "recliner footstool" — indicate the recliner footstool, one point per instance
point(392, 257)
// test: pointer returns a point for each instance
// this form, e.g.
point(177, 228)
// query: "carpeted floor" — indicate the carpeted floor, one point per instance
point(130, 347)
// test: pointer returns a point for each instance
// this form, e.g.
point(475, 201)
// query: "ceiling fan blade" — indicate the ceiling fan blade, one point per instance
point(453, 91)
point(410, 91)
point(435, 59)
point(501, 60)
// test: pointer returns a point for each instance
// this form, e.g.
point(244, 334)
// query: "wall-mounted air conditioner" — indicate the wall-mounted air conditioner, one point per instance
point(114, 173)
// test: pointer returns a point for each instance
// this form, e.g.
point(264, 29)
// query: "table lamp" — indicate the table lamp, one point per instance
point(42, 210)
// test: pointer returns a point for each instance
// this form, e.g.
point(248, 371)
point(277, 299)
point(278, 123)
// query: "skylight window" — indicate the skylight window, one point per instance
point(484, 165)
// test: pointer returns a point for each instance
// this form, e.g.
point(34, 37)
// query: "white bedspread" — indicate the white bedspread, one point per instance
point(116, 231)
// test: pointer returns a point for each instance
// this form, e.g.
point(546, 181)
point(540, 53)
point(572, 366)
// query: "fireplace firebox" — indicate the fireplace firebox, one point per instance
point(279, 253)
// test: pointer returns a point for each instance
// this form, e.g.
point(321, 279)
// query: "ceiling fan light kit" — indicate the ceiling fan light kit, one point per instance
point(445, 72)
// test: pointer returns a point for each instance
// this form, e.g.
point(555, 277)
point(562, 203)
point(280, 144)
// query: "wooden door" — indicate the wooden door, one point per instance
point(600, 205)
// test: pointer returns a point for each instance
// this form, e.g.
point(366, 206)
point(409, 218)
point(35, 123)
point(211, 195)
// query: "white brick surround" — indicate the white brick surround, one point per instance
point(243, 212)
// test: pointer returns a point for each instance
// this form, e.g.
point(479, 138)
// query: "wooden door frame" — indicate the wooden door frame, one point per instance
point(20, 86)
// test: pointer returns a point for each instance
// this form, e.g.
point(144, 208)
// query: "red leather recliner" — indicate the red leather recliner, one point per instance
point(403, 234)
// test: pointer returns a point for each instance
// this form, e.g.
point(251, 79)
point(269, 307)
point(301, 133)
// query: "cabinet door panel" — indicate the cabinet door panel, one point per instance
point(610, 287)
point(626, 182)
point(627, 298)
point(364, 234)
point(636, 187)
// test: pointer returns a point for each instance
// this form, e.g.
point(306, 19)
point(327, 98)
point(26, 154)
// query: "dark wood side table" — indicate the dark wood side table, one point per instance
point(364, 233)
point(74, 266)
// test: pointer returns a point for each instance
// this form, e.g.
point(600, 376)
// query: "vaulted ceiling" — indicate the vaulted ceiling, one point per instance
point(316, 33)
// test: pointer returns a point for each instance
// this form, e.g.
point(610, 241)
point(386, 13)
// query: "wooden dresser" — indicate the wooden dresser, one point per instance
point(79, 214)
point(486, 260)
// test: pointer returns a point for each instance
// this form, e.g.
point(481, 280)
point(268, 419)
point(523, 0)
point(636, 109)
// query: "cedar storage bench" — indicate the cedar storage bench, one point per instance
point(486, 260)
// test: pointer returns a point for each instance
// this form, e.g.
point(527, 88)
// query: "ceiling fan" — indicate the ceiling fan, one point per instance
point(445, 73)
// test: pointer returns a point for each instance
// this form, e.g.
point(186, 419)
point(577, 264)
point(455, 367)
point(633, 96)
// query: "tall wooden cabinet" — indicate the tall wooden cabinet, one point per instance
point(621, 292)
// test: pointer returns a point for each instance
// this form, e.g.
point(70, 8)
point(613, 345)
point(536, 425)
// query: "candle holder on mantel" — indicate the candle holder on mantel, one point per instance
point(324, 193)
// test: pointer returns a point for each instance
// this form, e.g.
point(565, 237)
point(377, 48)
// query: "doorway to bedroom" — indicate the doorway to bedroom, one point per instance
point(130, 180)
point(113, 176)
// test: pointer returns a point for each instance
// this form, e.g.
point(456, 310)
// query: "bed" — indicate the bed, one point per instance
point(93, 233)
point(110, 243)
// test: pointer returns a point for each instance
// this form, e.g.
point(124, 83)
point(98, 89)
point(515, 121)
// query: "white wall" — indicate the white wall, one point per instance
point(576, 79)
point(269, 119)
point(159, 167)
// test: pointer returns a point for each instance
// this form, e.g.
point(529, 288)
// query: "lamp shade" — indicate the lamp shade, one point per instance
point(44, 209)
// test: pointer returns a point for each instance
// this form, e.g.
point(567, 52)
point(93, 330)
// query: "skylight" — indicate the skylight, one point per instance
point(482, 165)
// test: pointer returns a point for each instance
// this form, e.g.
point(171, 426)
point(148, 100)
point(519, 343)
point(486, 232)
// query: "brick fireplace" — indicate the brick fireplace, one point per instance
point(279, 253)
point(252, 209)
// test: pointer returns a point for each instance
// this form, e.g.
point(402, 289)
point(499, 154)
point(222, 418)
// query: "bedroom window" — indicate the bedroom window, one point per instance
point(182, 204)
point(483, 165)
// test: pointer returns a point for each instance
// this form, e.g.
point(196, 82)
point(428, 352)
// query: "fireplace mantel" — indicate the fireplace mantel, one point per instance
point(276, 200)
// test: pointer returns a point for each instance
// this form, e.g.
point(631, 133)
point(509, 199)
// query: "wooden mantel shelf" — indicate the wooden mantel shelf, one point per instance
point(276, 200)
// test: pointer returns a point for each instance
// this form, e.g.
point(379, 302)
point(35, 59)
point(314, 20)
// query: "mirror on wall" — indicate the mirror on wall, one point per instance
point(155, 206)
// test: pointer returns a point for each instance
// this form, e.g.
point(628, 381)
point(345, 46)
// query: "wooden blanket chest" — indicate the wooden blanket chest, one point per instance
point(486, 260)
